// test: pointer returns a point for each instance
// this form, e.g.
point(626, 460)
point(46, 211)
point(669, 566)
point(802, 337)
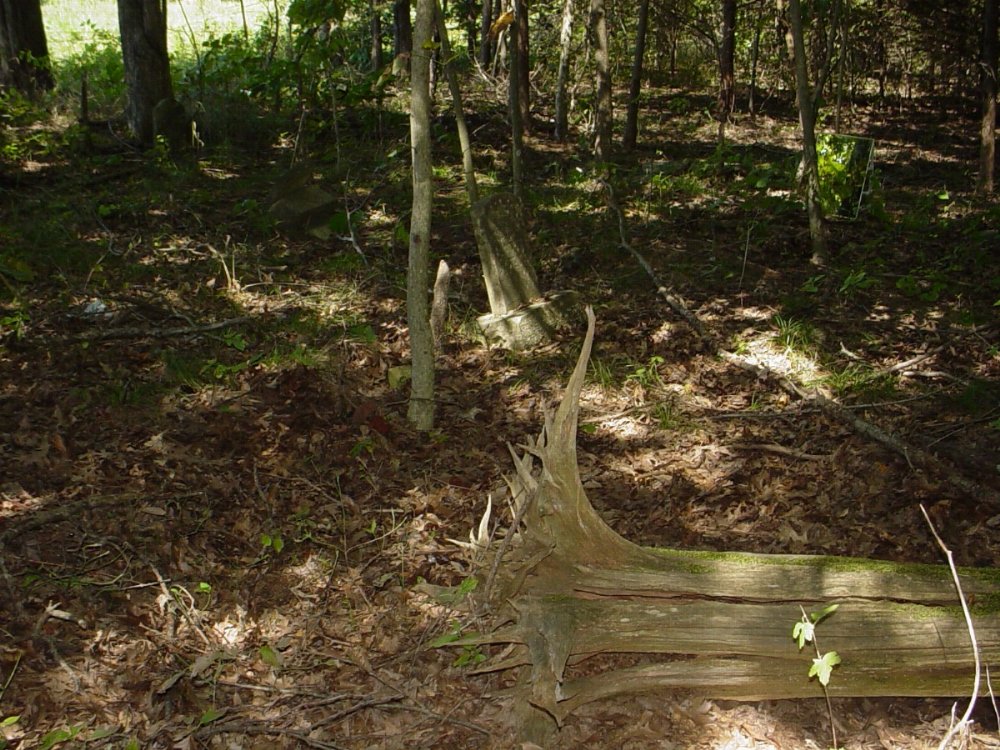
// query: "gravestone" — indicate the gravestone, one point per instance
point(520, 317)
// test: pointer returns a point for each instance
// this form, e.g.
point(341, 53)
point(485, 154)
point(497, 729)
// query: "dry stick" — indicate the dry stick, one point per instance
point(259, 728)
point(964, 722)
point(912, 454)
point(129, 332)
point(676, 304)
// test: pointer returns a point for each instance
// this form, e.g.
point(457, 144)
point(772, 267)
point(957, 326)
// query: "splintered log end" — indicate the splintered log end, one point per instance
point(563, 428)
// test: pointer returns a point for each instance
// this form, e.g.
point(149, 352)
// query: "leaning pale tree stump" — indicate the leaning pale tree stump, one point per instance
point(520, 316)
point(568, 587)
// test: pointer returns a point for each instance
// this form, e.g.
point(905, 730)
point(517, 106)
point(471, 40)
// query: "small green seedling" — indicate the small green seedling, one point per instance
point(822, 666)
point(272, 542)
point(471, 653)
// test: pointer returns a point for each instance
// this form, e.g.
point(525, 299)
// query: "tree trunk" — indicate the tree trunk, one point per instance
point(517, 121)
point(988, 89)
point(727, 55)
point(524, 62)
point(754, 61)
point(571, 588)
point(24, 50)
point(465, 142)
point(402, 29)
point(143, 28)
point(421, 407)
point(635, 82)
point(376, 52)
point(603, 114)
point(485, 40)
point(565, 41)
point(807, 122)
point(841, 68)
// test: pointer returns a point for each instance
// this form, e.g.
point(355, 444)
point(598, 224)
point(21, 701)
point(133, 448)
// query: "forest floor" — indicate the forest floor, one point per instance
point(217, 528)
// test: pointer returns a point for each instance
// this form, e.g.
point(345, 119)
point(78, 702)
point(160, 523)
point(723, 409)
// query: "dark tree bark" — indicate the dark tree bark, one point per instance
point(524, 64)
point(402, 28)
point(517, 119)
point(988, 90)
point(727, 54)
point(24, 51)
point(485, 40)
point(754, 60)
point(599, 41)
point(635, 84)
point(143, 27)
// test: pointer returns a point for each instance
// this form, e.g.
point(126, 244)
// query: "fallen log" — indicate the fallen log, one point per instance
point(568, 588)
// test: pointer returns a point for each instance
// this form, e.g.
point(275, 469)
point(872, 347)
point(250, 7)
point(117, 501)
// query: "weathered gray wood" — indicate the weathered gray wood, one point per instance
point(498, 221)
point(718, 623)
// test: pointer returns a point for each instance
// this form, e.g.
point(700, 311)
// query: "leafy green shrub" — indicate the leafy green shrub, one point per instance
point(99, 62)
point(843, 172)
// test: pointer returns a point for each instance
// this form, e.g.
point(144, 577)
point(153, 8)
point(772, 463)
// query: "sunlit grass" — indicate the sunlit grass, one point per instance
point(71, 24)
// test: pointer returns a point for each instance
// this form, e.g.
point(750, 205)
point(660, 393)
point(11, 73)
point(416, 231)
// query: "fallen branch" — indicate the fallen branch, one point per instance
point(675, 302)
point(135, 332)
point(915, 457)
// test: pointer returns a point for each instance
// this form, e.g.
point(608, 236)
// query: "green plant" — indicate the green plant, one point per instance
point(234, 340)
point(795, 335)
point(844, 163)
point(14, 323)
point(855, 281)
point(668, 416)
point(857, 378)
point(364, 445)
point(927, 287)
point(56, 736)
point(272, 542)
point(682, 186)
point(471, 654)
point(812, 284)
point(647, 375)
point(823, 664)
point(602, 373)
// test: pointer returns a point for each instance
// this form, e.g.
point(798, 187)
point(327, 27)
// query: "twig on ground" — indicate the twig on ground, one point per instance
point(260, 728)
point(779, 449)
point(964, 722)
point(130, 332)
point(914, 456)
point(664, 291)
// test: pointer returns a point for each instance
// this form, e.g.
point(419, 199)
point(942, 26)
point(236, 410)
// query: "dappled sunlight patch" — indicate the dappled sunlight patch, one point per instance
point(763, 350)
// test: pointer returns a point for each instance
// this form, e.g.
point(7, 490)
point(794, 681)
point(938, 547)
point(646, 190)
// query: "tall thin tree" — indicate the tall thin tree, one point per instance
point(402, 35)
point(988, 92)
point(524, 60)
point(565, 41)
point(807, 121)
point(514, 92)
point(421, 407)
point(635, 83)
point(376, 51)
point(727, 57)
point(485, 38)
point(604, 113)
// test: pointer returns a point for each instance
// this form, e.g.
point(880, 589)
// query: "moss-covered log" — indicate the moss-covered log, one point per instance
point(569, 588)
